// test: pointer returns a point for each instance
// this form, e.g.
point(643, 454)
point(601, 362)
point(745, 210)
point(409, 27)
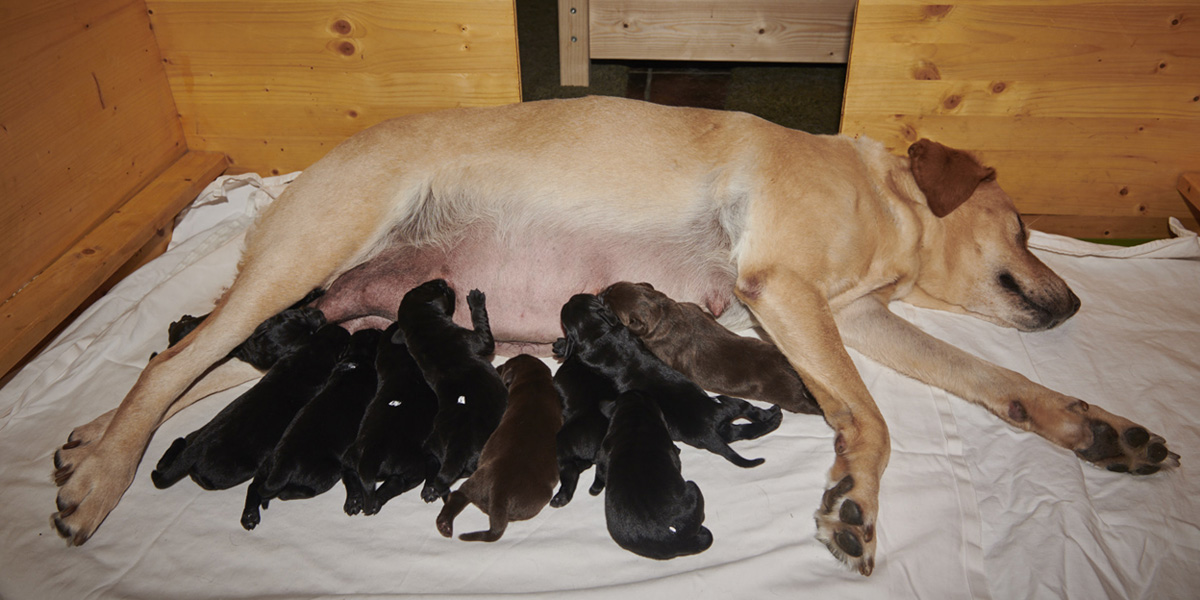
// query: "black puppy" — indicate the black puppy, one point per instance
point(456, 363)
point(228, 449)
point(583, 389)
point(600, 340)
point(272, 339)
point(307, 461)
point(649, 508)
point(391, 437)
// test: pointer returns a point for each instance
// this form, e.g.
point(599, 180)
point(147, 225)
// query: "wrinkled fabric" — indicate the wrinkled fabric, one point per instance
point(970, 507)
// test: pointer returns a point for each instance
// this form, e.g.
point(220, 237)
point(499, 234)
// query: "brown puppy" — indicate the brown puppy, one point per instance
point(518, 467)
point(692, 342)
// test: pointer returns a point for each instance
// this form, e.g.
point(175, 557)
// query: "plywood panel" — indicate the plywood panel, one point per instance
point(1085, 108)
point(86, 118)
point(728, 30)
point(275, 84)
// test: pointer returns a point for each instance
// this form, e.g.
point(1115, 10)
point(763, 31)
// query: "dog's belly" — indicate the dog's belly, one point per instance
point(528, 277)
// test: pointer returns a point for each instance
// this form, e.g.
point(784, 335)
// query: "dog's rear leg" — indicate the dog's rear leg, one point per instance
point(356, 496)
point(762, 421)
point(455, 503)
point(497, 523)
point(250, 515)
point(568, 477)
point(282, 263)
point(392, 486)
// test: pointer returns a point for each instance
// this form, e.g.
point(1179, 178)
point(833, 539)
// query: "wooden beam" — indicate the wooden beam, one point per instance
point(1189, 186)
point(52, 295)
point(574, 42)
point(1114, 228)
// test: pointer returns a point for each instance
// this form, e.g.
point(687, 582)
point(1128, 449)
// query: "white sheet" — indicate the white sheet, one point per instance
point(970, 507)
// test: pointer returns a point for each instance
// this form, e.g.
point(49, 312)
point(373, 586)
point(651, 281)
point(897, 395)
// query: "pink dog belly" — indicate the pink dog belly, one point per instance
point(528, 278)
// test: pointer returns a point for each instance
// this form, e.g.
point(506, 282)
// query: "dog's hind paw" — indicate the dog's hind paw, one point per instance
point(846, 528)
point(1124, 447)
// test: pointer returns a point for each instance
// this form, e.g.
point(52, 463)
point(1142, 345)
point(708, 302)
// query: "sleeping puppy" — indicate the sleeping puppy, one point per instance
point(517, 467)
point(600, 340)
point(456, 363)
point(391, 438)
point(272, 339)
point(583, 389)
point(649, 508)
point(307, 461)
point(691, 341)
point(228, 449)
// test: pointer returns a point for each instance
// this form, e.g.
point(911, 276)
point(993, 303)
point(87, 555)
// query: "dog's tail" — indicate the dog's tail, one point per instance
point(762, 420)
point(497, 523)
point(172, 466)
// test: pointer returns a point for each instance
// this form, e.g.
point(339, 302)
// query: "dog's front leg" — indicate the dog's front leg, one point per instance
point(1094, 434)
point(797, 316)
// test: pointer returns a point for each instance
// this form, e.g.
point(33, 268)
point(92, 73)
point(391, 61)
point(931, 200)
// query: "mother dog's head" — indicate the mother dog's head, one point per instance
point(974, 254)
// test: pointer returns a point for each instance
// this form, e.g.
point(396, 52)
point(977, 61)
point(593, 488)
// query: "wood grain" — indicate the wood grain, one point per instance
point(275, 84)
point(726, 30)
point(33, 312)
point(86, 118)
point(1087, 109)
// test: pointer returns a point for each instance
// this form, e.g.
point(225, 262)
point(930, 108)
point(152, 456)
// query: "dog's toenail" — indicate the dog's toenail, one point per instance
point(71, 444)
point(850, 513)
point(1137, 437)
point(68, 511)
point(1147, 469)
point(849, 543)
point(1118, 468)
point(839, 444)
point(868, 567)
point(869, 533)
point(63, 530)
point(1157, 452)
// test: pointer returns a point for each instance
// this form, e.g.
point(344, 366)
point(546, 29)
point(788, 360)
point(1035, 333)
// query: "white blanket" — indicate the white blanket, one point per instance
point(970, 506)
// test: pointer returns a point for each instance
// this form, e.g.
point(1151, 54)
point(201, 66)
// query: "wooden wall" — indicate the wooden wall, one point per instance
point(86, 118)
point(275, 84)
point(1089, 110)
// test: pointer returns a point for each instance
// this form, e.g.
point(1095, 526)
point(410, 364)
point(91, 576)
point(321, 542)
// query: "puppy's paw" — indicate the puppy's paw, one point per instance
point(560, 499)
point(353, 505)
point(476, 298)
point(430, 492)
point(847, 526)
point(1122, 446)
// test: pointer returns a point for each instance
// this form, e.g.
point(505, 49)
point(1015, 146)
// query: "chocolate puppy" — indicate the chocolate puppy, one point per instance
point(456, 363)
point(691, 341)
point(517, 467)
point(649, 508)
point(583, 389)
point(228, 449)
point(391, 438)
point(602, 342)
point(307, 461)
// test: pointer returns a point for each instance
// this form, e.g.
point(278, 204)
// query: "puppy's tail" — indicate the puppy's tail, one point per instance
point(762, 420)
point(172, 466)
point(497, 523)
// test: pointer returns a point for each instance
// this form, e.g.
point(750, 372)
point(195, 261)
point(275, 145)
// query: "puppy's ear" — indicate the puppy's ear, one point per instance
point(946, 176)
point(563, 348)
point(398, 337)
point(646, 283)
point(605, 314)
point(506, 374)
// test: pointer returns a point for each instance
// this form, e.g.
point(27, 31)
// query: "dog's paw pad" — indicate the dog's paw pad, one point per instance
point(1135, 450)
point(846, 528)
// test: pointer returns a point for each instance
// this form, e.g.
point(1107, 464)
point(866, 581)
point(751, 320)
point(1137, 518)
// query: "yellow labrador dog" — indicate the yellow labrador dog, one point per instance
point(807, 236)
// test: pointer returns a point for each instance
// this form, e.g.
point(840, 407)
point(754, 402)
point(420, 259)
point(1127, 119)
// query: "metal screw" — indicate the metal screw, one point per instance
point(572, 10)
point(574, 39)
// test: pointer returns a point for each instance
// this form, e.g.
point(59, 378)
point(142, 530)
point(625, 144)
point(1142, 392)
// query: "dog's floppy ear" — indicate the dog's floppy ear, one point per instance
point(563, 347)
point(946, 176)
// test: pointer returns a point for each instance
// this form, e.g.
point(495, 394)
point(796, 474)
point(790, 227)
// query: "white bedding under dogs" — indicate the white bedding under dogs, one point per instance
point(970, 506)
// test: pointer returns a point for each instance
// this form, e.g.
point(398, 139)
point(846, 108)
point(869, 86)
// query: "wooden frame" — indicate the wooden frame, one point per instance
point(813, 31)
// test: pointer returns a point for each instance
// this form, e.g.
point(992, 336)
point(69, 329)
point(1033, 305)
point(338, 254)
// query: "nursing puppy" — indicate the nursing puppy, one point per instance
point(307, 461)
point(390, 447)
point(456, 363)
point(691, 341)
point(229, 449)
point(600, 340)
point(650, 510)
point(583, 389)
point(517, 467)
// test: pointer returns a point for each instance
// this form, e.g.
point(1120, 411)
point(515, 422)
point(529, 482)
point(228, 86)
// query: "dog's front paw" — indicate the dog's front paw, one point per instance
point(476, 298)
point(431, 492)
point(847, 526)
point(89, 488)
point(1120, 445)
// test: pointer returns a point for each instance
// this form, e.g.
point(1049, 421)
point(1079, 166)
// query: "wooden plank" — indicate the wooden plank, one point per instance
point(275, 83)
point(1189, 188)
point(1087, 109)
point(574, 42)
point(725, 30)
point(1115, 228)
point(86, 117)
point(40, 305)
